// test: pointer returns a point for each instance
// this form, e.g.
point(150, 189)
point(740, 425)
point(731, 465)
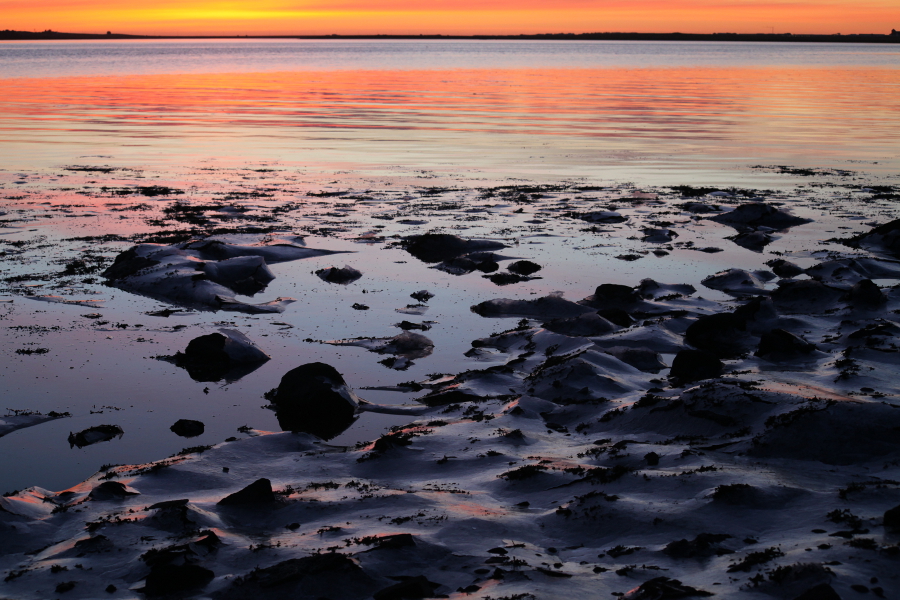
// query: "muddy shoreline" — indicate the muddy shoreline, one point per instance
point(672, 390)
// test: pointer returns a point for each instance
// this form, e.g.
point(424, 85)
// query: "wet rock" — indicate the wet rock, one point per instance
point(652, 459)
point(823, 591)
point(699, 207)
point(651, 289)
point(437, 247)
point(586, 325)
point(343, 276)
point(422, 296)
point(616, 316)
point(806, 297)
point(702, 546)
point(736, 282)
point(658, 236)
point(781, 344)
point(892, 518)
point(258, 492)
point(643, 359)
point(358, 306)
point(204, 274)
point(603, 216)
point(228, 354)
point(187, 428)
point(166, 580)
point(695, 365)
point(753, 240)
point(112, 490)
point(449, 396)
point(507, 278)
point(314, 398)
point(663, 588)
point(462, 265)
point(613, 295)
point(784, 268)
point(548, 307)
point(245, 275)
point(759, 214)
point(326, 575)
point(884, 237)
point(94, 435)
point(865, 294)
point(65, 586)
point(410, 587)
point(723, 335)
point(92, 545)
point(523, 267)
point(404, 347)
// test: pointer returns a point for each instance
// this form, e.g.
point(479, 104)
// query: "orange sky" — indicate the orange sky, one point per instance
point(314, 17)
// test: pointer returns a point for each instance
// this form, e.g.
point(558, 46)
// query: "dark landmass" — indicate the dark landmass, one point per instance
point(867, 38)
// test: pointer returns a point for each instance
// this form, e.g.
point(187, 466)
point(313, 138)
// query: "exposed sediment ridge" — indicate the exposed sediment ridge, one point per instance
point(734, 433)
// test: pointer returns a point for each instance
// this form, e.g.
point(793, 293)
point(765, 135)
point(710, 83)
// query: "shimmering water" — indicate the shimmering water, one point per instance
point(661, 112)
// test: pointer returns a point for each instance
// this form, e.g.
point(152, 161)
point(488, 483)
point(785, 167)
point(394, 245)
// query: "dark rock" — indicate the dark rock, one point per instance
point(613, 295)
point(410, 587)
point(446, 397)
point(344, 275)
point(92, 545)
point(506, 278)
point(603, 216)
point(65, 586)
point(437, 247)
point(783, 268)
point(187, 428)
point(109, 490)
point(94, 435)
point(658, 236)
point(806, 297)
point(126, 264)
point(892, 518)
point(753, 240)
point(422, 295)
point(326, 575)
point(314, 398)
point(779, 343)
point(758, 214)
point(616, 316)
point(166, 579)
point(643, 359)
point(699, 207)
point(358, 306)
point(702, 546)
point(247, 275)
point(884, 237)
point(258, 492)
point(586, 325)
point(228, 354)
point(866, 294)
point(663, 588)
point(523, 267)
point(111, 589)
point(723, 335)
point(695, 365)
point(823, 591)
point(652, 459)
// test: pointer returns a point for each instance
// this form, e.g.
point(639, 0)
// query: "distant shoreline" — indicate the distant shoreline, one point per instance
point(9, 35)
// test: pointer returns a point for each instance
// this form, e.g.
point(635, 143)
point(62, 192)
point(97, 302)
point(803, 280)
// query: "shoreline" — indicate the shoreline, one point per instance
point(559, 452)
point(612, 36)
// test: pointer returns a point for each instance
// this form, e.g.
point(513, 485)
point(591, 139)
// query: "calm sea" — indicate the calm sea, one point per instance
point(662, 112)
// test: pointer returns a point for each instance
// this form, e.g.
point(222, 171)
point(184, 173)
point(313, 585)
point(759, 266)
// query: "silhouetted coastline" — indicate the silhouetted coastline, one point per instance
point(867, 38)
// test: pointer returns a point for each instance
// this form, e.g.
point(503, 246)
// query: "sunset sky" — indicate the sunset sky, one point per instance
point(314, 17)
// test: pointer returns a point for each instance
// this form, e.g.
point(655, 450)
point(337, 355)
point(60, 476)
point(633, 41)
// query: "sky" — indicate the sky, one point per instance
point(449, 17)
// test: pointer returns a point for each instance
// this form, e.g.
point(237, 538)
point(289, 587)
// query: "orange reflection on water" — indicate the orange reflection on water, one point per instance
point(805, 110)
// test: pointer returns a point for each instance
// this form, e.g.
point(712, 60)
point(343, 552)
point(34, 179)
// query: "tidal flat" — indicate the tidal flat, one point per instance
point(564, 389)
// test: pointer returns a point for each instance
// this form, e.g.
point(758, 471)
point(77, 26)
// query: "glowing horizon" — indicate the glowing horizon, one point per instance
point(451, 17)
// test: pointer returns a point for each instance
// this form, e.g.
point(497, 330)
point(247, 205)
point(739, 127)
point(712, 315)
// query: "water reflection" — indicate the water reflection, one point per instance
point(767, 114)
